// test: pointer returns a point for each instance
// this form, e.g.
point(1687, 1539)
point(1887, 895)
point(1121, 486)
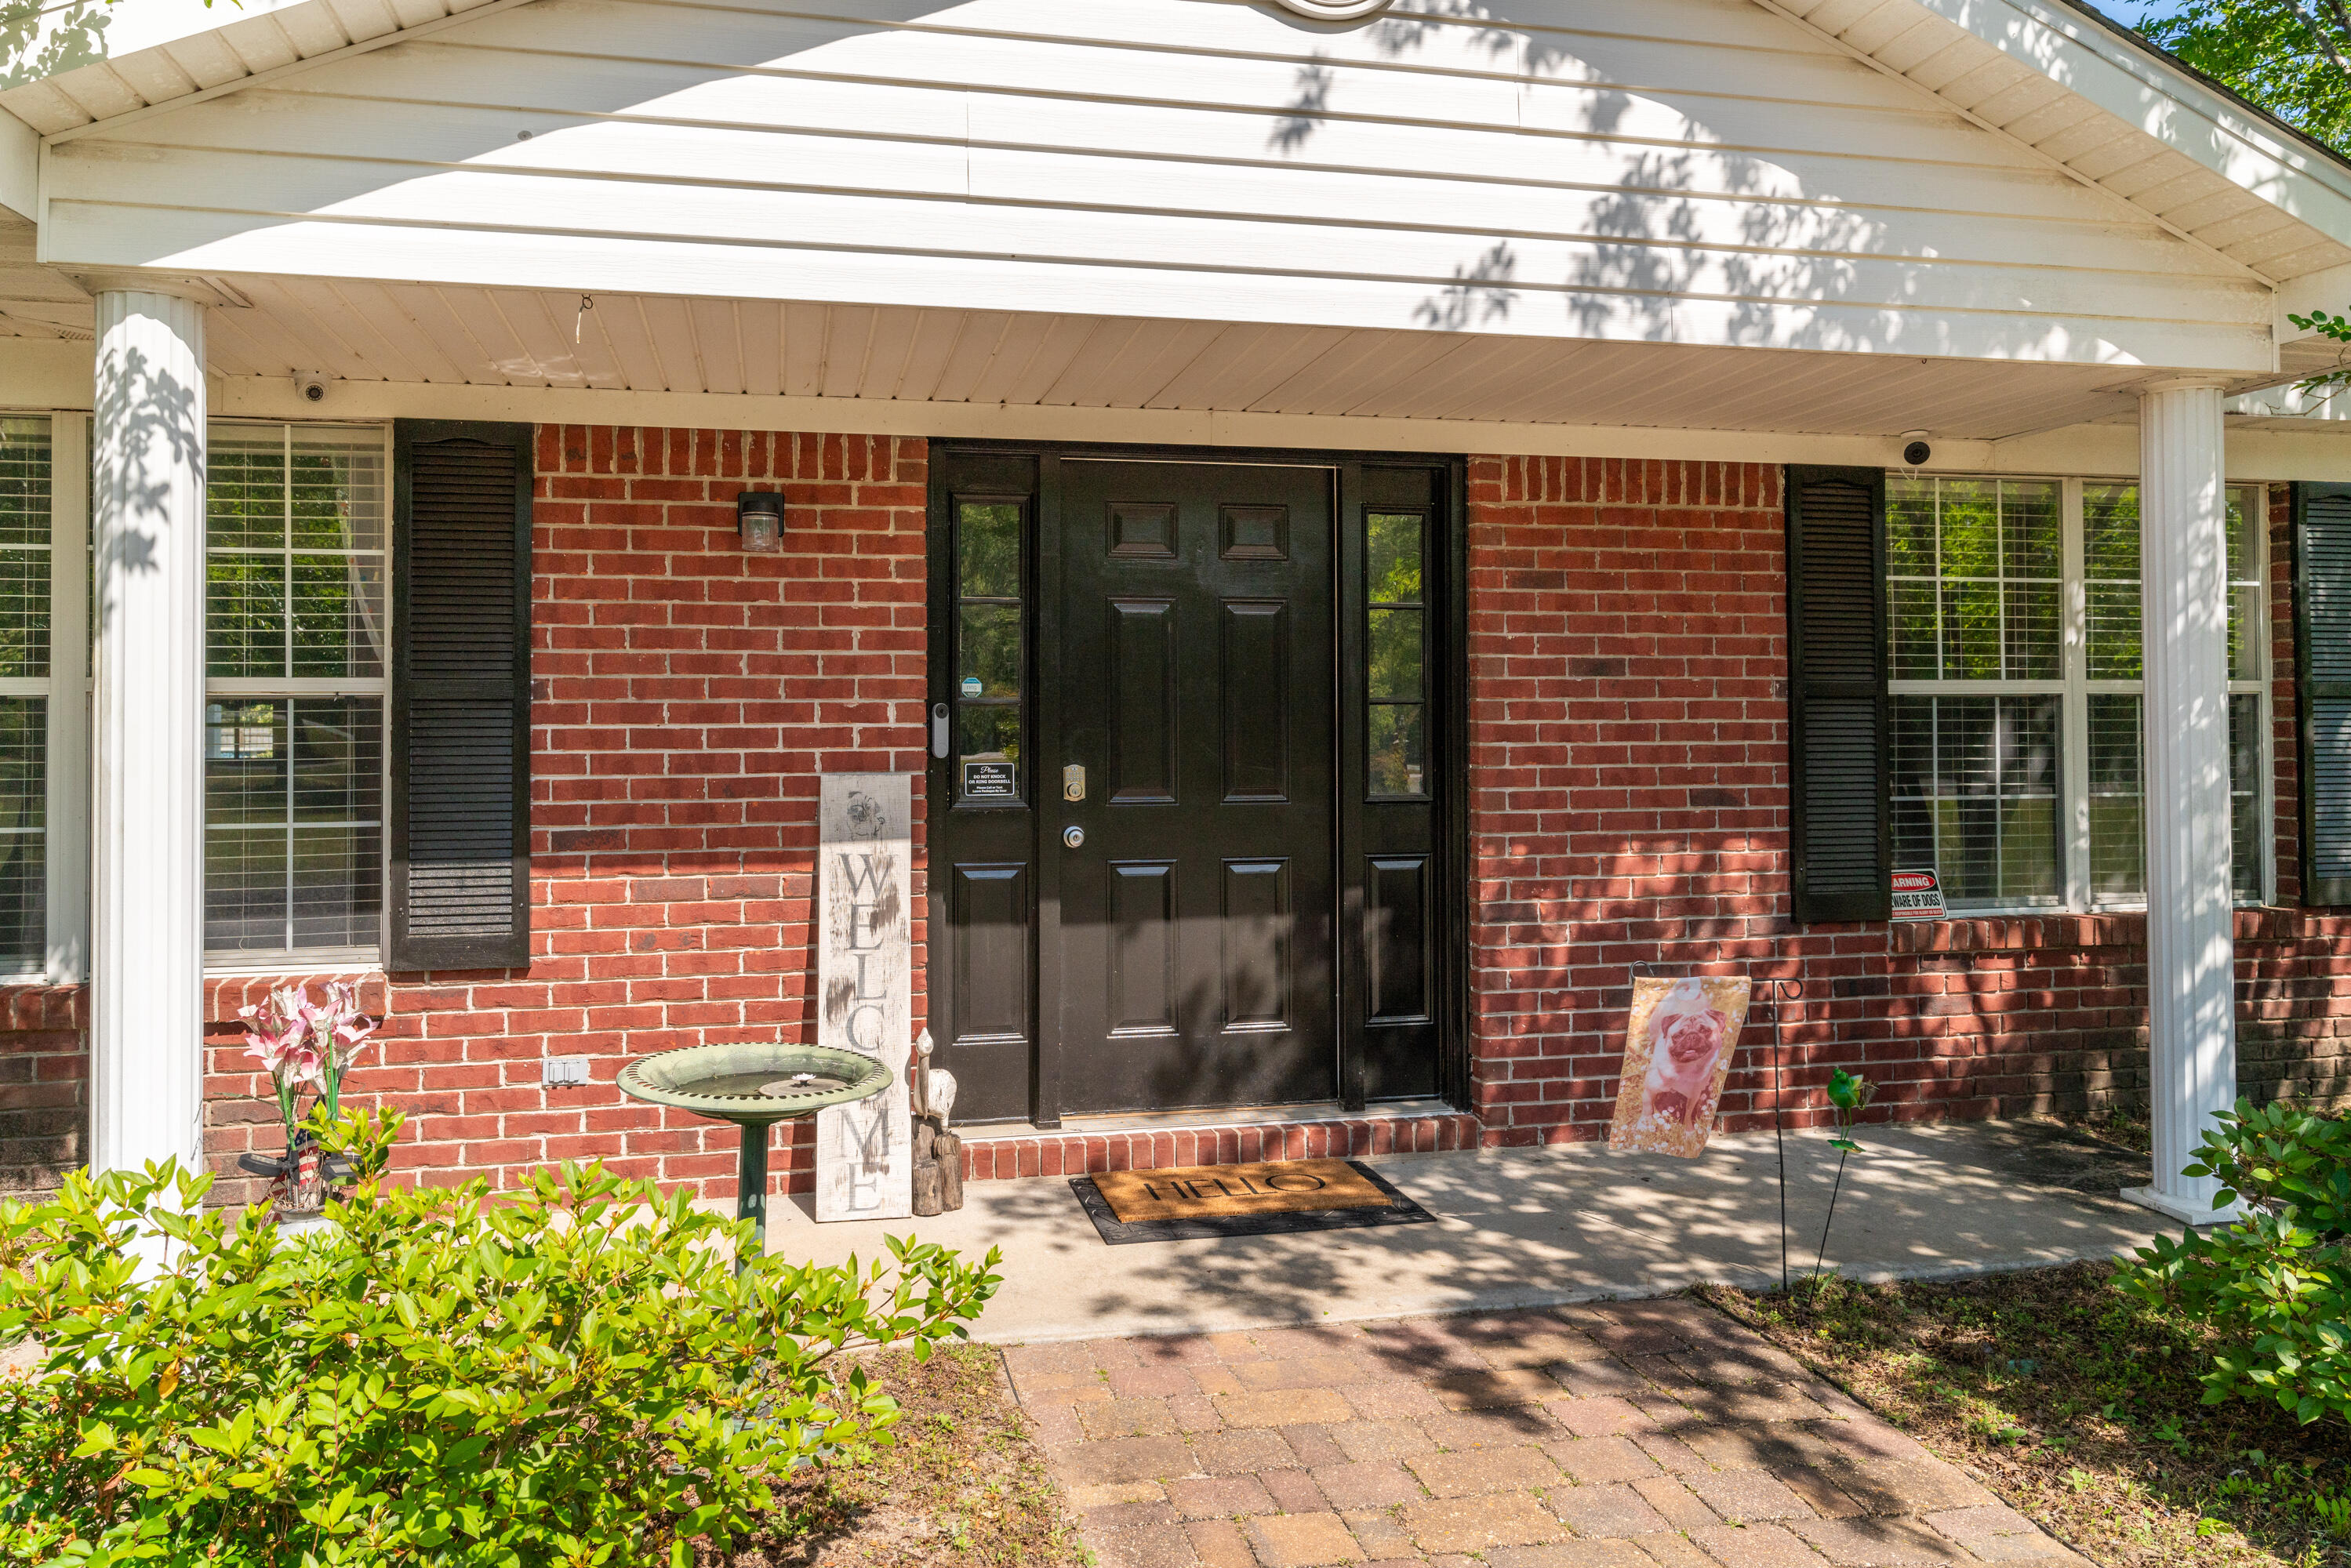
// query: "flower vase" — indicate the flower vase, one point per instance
point(302, 1188)
point(299, 1179)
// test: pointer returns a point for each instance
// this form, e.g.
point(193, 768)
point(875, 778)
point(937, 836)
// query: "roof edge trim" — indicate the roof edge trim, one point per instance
point(2146, 88)
point(280, 73)
point(20, 168)
point(2140, 44)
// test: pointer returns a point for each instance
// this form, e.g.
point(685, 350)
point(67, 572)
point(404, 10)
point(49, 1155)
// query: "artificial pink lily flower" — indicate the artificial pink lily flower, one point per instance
point(301, 1042)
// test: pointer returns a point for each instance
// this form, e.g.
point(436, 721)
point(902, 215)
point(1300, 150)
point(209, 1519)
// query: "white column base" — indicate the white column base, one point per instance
point(2186, 1213)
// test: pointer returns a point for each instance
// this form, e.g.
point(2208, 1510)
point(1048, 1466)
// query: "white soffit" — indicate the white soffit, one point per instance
point(448, 336)
point(90, 61)
point(2113, 113)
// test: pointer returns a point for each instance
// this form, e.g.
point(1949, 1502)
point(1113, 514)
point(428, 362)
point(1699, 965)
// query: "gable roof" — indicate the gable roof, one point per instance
point(88, 61)
point(2141, 41)
point(2108, 107)
point(2095, 99)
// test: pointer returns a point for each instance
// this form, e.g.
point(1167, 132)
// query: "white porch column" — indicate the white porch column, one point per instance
point(147, 732)
point(2190, 951)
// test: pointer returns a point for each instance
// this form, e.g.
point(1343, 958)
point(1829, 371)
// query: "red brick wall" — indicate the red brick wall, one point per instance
point(1627, 648)
point(44, 1085)
point(1628, 765)
point(687, 697)
point(1627, 660)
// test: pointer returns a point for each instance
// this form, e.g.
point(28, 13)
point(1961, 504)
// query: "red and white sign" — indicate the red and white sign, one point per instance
point(1918, 895)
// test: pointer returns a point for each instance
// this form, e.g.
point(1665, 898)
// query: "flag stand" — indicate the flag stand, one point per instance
point(1782, 991)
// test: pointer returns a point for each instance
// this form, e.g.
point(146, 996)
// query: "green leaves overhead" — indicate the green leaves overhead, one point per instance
point(2287, 56)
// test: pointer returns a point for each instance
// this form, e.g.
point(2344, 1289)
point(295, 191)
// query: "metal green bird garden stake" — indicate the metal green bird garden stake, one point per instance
point(1848, 1093)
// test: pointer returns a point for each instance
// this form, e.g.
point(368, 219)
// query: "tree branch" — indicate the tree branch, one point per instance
point(2326, 40)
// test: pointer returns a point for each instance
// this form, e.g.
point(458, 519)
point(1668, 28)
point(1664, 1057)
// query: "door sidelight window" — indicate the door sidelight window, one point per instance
point(1395, 645)
point(989, 652)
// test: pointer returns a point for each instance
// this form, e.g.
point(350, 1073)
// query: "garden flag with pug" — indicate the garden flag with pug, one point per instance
point(1678, 1047)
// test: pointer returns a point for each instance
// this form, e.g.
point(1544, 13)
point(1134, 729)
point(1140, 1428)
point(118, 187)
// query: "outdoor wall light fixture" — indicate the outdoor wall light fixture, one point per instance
point(759, 518)
point(1335, 10)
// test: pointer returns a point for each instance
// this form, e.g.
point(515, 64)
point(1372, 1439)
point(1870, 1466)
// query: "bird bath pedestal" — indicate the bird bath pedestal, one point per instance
point(755, 1087)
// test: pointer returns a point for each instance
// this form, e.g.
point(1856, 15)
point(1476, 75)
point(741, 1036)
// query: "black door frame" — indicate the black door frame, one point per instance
point(1448, 599)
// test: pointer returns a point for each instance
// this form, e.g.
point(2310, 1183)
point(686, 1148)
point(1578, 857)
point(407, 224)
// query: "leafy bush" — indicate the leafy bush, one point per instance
point(572, 1375)
point(2277, 1284)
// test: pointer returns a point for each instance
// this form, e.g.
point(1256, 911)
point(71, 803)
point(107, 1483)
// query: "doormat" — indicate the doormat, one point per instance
point(1194, 1203)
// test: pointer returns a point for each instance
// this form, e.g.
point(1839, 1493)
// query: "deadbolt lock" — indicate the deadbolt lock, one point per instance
point(1074, 784)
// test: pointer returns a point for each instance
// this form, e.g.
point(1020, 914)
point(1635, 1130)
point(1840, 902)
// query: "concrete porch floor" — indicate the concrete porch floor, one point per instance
point(1530, 1227)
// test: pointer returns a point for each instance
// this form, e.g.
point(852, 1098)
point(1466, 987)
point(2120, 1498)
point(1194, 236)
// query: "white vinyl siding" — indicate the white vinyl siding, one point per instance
point(1687, 172)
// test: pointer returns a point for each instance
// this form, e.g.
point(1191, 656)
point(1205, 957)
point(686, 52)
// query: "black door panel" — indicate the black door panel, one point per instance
point(1249, 663)
point(1194, 657)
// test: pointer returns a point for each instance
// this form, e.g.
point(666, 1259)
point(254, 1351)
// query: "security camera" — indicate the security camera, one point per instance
point(1915, 450)
point(313, 388)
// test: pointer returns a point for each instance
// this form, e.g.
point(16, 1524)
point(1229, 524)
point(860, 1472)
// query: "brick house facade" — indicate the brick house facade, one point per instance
point(1627, 646)
point(1628, 801)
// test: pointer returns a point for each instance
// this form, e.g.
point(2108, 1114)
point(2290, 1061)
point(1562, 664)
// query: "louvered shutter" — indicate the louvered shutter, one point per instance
point(1838, 720)
point(2321, 624)
point(460, 808)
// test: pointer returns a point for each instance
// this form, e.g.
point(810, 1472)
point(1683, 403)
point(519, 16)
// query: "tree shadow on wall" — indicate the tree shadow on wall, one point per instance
point(152, 408)
point(1669, 233)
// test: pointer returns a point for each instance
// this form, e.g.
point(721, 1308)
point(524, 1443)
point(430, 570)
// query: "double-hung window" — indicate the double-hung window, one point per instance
point(296, 639)
point(2017, 746)
point(26, 469)
point(44, 696)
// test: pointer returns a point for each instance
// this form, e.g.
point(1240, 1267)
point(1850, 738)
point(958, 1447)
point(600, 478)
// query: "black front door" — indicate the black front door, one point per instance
point(1246, 661)
point(1190, 803)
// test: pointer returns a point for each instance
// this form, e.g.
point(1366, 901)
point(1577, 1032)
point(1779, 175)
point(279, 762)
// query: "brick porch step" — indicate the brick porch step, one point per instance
point(994, 1155)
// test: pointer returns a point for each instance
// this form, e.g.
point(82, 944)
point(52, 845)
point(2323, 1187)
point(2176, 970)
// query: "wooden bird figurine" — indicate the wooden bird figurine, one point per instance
point(934, 1088)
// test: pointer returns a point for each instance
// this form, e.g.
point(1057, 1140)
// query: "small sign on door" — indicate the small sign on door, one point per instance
point(1918, 895)
point(991, 781)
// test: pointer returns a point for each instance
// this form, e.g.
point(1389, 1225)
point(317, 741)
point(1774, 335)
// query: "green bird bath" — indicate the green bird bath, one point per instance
point(755, 1087)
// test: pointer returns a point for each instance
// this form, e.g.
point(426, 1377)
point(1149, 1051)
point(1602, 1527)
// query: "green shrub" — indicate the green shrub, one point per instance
point(2276, 1284)
point(570, 1374)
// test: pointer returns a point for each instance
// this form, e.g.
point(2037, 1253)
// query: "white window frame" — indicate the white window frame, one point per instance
point(364, 956)
point(65, 849)
point(72, 641)
point(2074, 688)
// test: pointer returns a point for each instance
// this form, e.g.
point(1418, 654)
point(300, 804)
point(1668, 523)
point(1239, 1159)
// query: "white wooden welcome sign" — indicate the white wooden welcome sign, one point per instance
point(865, 1001)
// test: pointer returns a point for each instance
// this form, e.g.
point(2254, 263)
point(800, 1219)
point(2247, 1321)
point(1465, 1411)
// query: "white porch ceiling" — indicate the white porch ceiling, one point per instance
point(443, 336)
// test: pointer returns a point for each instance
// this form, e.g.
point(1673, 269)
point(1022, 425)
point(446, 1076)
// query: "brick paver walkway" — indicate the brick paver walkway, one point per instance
point(1623, 1435)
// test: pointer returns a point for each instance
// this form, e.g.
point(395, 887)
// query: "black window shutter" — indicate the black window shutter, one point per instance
point(2322, 635)
point(1838, 722)
point(460, 809)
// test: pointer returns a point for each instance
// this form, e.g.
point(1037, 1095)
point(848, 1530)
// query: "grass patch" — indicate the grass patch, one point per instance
point(2081, 1409)
point(965, 1483)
